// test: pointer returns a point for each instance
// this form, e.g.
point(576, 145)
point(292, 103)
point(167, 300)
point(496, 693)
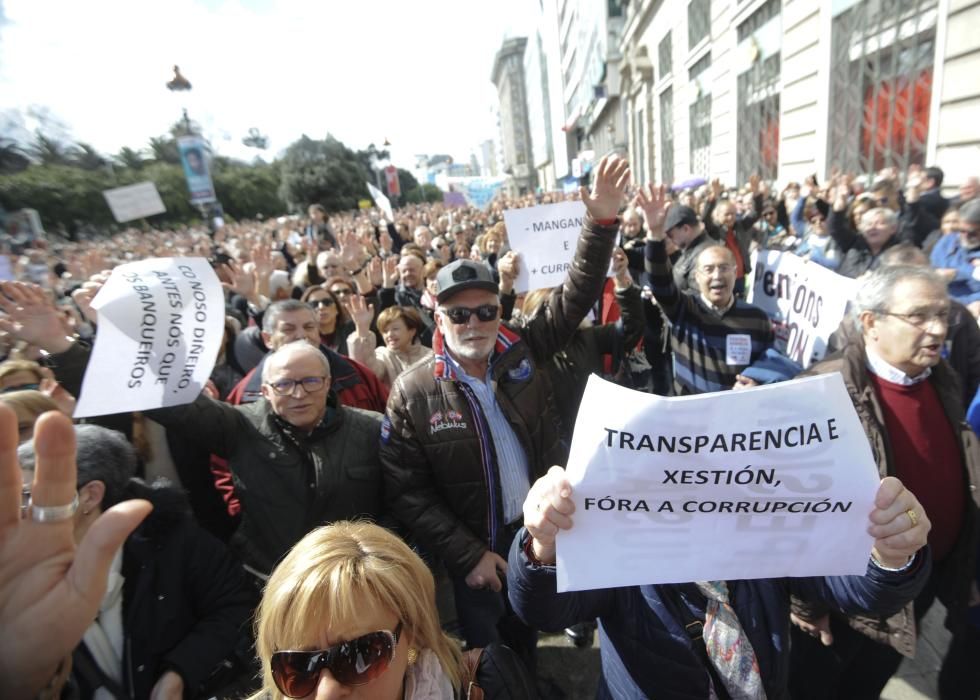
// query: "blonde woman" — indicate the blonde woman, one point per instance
point(351, 612)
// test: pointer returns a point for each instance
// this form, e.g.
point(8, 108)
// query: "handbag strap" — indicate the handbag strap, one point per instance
point(471, 664)
point(694, 628)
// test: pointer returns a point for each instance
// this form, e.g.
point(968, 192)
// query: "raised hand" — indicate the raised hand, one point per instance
point(51, 592)
point(360, 312)
point(31, 316)
point(620, 267)
point(390, 272)
point(608, 194)
point(654, 202)
point(715, 189)
point(84, 295)
point(384, 239)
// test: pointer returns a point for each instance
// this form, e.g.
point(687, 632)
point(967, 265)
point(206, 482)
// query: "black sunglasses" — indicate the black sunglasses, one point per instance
point(319, 303)
point(461, 314)
point(357, 662)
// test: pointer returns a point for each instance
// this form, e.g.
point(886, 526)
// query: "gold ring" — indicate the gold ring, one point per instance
point(912, 516)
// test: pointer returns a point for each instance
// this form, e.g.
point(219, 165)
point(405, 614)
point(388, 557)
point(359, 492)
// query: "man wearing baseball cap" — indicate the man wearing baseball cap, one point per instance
point(467, 431)
point(684, 230)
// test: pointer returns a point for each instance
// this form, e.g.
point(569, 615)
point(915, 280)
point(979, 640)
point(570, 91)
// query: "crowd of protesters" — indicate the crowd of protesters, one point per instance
point(388, 371)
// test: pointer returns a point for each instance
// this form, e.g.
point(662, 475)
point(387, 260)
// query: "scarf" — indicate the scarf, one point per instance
point(425, 679)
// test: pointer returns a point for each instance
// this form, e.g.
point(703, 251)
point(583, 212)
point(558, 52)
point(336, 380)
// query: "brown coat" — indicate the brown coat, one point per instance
point(954, 574)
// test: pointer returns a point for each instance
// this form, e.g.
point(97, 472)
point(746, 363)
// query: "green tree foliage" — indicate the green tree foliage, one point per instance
point(406, 181)
point(129, 158)
point(13, 159)
point(425, 193)
point(324, 172)
point(247, 190)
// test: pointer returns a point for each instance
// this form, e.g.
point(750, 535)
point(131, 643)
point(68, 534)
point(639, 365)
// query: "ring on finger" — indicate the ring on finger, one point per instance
point(912, 516)
point(52, 514)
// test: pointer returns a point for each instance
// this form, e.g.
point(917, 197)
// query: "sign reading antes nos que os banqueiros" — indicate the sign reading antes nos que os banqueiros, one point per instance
point(765, 483)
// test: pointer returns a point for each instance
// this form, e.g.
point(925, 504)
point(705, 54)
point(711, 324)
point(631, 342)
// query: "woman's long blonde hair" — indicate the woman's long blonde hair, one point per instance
point(328, 578)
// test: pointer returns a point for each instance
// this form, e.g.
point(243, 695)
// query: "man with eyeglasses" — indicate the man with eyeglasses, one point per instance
point(714, 335)
point(910, 405)
point(299, 457)
point(467, 431)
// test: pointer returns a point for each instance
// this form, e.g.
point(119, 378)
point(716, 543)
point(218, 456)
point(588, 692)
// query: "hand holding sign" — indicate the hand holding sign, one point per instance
point(609, 189)
point(548, 509)
point(509, 267)
point(898, 523)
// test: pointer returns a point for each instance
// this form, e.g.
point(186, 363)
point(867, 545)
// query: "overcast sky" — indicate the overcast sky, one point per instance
point(414, 71)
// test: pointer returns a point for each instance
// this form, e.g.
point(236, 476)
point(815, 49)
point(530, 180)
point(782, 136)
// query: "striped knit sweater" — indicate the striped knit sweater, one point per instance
point(702, 338)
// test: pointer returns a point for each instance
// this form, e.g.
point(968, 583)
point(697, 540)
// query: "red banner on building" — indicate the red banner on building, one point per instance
point(391, 180)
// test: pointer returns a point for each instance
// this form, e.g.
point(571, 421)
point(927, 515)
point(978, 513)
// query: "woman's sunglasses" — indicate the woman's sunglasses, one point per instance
point(321, 303)
point(357, 662)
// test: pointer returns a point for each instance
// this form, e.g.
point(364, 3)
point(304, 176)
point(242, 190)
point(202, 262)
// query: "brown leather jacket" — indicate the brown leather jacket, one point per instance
point(954, 574)
point(441, 478)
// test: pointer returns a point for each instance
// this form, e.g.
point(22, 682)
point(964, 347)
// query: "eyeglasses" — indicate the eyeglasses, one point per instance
point(320, 303)
point(357, 662)
point(723, 268)
point(461, 314)
point(920, 319)
point(285, 387)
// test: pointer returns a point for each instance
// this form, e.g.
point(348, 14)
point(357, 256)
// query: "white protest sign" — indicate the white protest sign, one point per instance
point(806, 302)
point(134, 201)
point(765, 483)
point(383, 203)
point(545, 237)
point(160, 327)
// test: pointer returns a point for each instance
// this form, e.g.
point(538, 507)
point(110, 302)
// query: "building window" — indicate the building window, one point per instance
point(698, 22)
point(665, 52)
point(757, 122)
point(881, 85)
point(641, 143)
point(700, 114)
point(667, 136)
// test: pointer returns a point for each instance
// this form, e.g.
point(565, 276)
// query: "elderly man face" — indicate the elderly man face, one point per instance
point(410, 271)
point(715, 274)
point(329, 264)
point(296, 381)
point(632, 225)
point(293, 325)
point(473, 340)
point(909, 333)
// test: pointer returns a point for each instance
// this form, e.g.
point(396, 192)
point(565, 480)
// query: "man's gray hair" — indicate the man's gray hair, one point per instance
point(889, 217)
point(102, 455)
point(272, 314)
point(875, 290)
point(291, 347)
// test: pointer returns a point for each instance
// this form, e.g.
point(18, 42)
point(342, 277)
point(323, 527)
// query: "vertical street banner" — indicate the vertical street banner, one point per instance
point(161, 322)
point(805, 301)
point(194, 157)
point(545, 237)
point(770, 482)
point(391, 181)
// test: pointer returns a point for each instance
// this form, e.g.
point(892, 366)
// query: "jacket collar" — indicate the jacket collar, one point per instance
point(444, 370)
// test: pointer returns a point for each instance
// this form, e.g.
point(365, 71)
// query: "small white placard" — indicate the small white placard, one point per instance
point(134, 201)
point(161, 322)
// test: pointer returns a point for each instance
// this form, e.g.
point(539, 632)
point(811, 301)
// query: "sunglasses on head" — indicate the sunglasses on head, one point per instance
point(356, 662)
point(461, 314)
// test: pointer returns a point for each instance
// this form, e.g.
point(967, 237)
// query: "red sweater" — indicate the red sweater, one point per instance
point(926, 455)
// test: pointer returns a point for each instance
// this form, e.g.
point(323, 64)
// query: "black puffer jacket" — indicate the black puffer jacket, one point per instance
point(186, 599)
point(441, 478)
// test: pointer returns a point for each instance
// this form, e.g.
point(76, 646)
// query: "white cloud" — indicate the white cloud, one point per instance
point(415, 72)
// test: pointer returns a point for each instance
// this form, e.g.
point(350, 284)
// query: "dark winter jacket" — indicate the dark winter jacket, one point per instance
point(644, 648)
point(954, 573)
point(441, 477)
point(186, 600)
